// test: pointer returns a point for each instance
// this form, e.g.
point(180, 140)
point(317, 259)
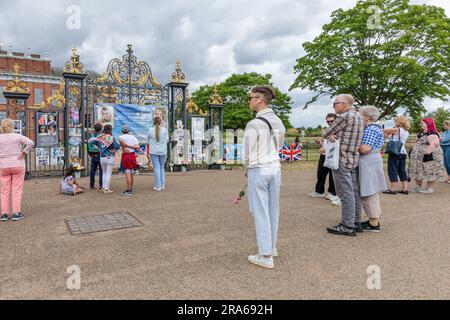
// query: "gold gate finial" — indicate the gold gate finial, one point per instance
point(74, 65)
point(216, 98)
point(178, 76)
point(16, 85)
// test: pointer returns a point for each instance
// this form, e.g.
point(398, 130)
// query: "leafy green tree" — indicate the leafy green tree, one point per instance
point(395, 61)
point(416, 119)
point(440, 115)
point(235, 90)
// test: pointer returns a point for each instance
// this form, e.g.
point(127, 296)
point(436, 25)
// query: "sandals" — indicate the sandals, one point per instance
point(390, 192)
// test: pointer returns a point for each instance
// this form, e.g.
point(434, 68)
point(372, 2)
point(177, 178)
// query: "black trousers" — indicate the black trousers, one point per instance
point(95, 163)
point(397, 168)
point(322, 173)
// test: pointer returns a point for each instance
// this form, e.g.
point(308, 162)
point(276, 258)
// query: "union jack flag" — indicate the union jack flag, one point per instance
point(291, 153)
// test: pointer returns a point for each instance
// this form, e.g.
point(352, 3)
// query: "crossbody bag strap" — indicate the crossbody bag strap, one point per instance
point(272, 133)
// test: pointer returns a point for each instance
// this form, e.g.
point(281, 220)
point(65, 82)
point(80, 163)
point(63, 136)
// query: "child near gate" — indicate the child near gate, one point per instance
point(69, 186)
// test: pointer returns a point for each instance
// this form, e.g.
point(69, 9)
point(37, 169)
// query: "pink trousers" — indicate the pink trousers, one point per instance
point(11, 184)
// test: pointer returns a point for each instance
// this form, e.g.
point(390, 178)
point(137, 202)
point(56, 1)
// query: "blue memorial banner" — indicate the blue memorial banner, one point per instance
point(233, 152)
point(139, 119)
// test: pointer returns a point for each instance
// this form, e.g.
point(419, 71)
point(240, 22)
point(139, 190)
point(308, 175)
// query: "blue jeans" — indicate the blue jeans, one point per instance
point(95, 163)
point(159, 163)
point(264, 200)
point(447, 158)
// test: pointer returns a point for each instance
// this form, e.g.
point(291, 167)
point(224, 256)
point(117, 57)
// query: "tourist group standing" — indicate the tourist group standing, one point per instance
point(360, 178)
point(104, 146)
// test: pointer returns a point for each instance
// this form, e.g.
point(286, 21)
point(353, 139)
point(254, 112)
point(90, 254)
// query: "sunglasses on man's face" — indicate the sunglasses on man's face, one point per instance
point(250, 98)
point(330, 122)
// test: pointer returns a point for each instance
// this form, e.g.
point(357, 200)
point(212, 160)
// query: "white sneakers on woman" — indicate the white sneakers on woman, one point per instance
point(424, 191)
point(427, 191)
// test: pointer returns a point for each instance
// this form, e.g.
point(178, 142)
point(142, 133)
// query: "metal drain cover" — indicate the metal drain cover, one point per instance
point(102, 223)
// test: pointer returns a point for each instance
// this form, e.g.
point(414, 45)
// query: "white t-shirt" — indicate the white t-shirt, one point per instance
point(404, 135)
point(129, 140)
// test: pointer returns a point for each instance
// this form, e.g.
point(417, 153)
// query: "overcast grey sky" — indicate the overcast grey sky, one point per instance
point(213, 39)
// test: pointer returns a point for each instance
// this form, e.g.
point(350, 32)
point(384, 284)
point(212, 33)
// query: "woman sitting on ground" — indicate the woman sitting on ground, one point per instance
point(69, 185)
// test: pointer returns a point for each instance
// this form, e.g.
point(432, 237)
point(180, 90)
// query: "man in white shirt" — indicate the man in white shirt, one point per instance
point(129, 145)
point(263, 139)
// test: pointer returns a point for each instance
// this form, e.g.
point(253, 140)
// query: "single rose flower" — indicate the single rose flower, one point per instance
point(241, 195)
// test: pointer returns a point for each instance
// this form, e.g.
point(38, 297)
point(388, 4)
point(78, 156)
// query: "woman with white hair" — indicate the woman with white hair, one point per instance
point(371, 172)
point(12, 169)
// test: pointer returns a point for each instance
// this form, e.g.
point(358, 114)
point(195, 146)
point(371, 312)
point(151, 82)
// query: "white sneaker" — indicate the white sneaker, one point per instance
point(427, 191)
point(261, 261)
point(415, 190)
point(275, 253)
point(316, 195)
point(156, 189)
point(329, 196)
point(336, 202)
point(334, 198)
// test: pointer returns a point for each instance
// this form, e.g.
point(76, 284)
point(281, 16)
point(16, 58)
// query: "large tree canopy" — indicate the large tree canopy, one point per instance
point(386, 53)
point(234, 92)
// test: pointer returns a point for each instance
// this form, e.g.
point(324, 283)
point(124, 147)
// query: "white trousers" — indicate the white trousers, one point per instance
point(264, 200)
point(107, 167)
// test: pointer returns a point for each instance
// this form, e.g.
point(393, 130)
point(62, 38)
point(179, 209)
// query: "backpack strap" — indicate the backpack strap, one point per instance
point(272, 133)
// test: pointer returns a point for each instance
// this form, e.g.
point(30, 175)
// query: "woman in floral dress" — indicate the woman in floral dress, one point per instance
point(427, 158)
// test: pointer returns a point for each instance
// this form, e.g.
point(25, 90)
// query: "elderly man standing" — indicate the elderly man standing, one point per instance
point(348, 129)
point(263, 139)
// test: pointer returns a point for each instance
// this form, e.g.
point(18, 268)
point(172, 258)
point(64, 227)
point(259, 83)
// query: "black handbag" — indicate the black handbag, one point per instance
point(428, 158)
point(394, 147)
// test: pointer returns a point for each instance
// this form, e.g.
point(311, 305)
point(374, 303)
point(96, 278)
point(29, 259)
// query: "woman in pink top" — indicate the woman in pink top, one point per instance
point(12, 169)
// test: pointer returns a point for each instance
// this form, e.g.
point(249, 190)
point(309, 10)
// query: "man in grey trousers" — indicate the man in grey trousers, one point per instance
point(348, 128)
point(263, 138)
